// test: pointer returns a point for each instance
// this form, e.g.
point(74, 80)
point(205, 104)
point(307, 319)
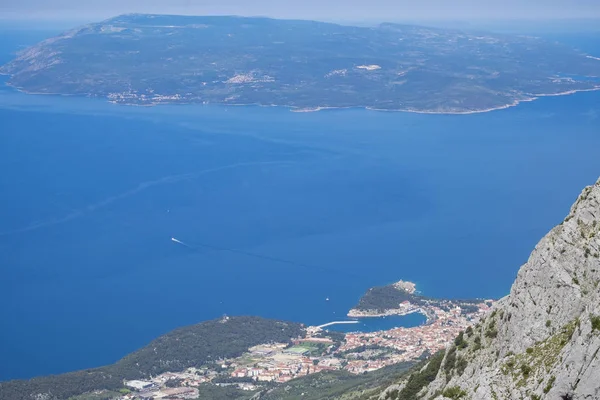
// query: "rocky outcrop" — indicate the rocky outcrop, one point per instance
point(542, 341)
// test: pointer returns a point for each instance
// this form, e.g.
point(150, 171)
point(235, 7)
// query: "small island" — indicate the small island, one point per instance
point(304, 65)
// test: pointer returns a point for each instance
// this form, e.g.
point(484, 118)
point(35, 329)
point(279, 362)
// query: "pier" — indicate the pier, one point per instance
point(337, 323)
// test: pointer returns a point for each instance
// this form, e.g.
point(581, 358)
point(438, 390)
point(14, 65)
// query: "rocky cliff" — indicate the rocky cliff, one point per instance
point(542, 341)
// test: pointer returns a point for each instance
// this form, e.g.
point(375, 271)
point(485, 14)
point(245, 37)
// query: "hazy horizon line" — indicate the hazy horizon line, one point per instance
point(521, 23)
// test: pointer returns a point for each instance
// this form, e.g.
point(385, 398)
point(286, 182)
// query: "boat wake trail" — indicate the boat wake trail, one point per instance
point(139, 188)
point(181, 243)
point(320, 268)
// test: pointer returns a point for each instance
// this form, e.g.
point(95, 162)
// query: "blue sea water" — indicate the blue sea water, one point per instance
point(334, 202)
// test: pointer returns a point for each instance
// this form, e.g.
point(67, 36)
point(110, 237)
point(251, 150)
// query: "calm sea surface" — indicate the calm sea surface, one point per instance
point(327, 203)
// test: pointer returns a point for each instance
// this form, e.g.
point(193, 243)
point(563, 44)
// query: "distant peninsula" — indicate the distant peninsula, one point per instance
point(401, 298)
point(305, 65)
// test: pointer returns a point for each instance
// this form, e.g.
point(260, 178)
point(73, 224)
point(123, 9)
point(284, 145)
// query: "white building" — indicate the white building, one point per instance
point(138, 385)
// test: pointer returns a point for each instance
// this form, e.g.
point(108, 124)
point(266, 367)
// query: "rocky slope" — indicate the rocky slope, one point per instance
point(542, 341)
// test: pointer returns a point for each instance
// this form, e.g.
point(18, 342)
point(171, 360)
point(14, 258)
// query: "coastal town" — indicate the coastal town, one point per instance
point(321, 349)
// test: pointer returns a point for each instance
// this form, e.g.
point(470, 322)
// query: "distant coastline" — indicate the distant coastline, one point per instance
point(515, 103)
point(295, 109)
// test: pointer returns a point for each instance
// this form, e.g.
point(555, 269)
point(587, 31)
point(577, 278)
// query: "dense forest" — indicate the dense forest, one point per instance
point(383, 298)
point(191, 346)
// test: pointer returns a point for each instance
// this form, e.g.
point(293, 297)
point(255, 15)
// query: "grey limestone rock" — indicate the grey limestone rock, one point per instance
point(542, 341)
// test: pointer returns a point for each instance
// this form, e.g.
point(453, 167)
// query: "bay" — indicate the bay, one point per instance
point(280, 211)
